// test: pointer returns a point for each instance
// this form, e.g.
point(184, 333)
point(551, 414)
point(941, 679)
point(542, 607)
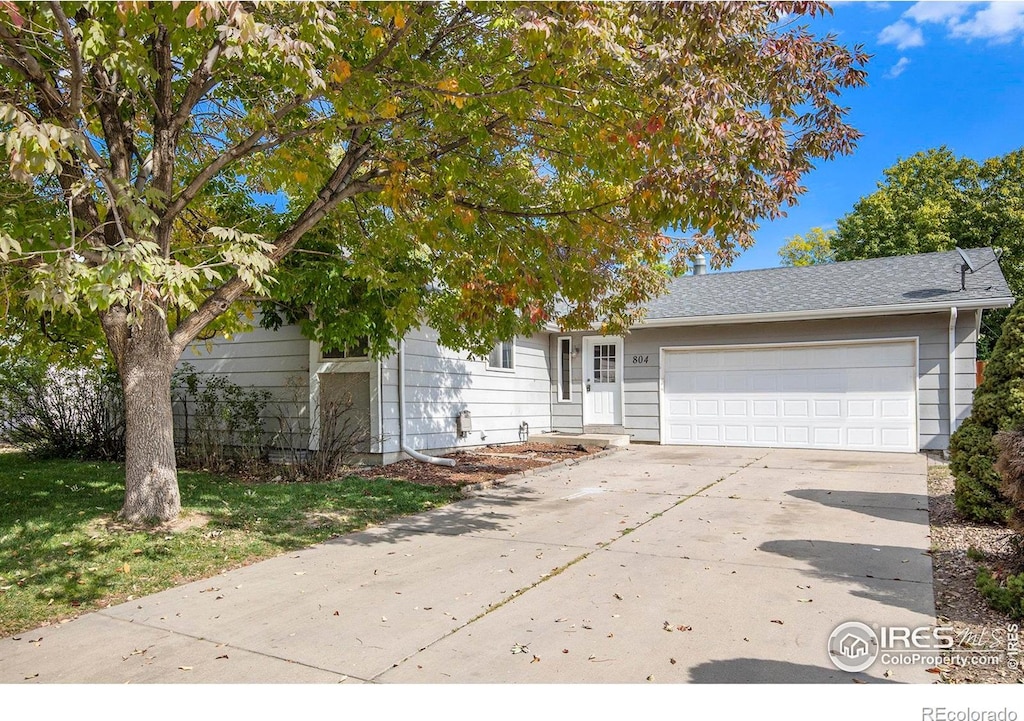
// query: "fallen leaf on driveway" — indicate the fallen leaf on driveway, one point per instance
point(858, 680)
point(617, 596)
point(775, 620)
point(933, 669)
point(184, 668)
point(805, 600)
point(536, 659)
point(337, 613)
point(565, 650)
point(220, 657)
point(520, 648)
point(300, 573)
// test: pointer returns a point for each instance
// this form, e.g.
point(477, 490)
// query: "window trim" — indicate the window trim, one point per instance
point(560, 386)
point(322, 358)
point(512, 358)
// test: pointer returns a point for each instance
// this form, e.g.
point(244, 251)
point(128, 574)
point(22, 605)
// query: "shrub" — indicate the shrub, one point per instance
point(343, 433)
point(220, 423)
point(998, 406)
point(1010, 466)
point(1006, 595)
point(61, 411)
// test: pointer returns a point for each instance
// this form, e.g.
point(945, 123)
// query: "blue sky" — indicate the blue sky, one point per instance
point(942, 73)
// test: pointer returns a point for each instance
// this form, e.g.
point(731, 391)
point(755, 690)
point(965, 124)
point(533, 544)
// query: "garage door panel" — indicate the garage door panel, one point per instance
point(761, 408)
point(827, 408)
point(860, 395)
point(860, 408)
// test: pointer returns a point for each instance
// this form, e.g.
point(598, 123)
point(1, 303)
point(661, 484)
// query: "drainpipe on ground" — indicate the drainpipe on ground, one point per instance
point(401, 417)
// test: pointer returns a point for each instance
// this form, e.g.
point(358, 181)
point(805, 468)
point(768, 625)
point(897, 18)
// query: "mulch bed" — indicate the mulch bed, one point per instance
point(957, 601)
point(480, 464)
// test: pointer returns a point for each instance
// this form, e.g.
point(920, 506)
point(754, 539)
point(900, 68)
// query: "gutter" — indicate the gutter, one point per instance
point(401, 417)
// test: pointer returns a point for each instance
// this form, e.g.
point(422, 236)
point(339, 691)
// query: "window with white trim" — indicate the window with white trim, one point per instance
point(358, 349)
point(502, 356)
point(565, 369)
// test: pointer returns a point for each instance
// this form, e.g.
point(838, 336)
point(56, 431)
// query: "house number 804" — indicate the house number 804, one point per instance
point(641, 360)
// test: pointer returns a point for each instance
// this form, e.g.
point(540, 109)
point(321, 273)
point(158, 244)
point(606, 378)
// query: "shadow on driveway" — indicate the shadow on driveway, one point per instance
point(890, 506)
point(875, 568)
point(759, 670)
point(479, 514)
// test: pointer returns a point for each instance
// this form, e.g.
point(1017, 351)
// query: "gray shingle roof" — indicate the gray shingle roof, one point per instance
point(928, 278)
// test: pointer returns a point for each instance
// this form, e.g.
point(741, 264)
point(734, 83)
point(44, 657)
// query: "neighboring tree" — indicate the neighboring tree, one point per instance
point(465, 165)
point(935, 201)
point(998, 406)
point(813, 248)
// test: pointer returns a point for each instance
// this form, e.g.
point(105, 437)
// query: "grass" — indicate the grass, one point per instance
point(61, 553)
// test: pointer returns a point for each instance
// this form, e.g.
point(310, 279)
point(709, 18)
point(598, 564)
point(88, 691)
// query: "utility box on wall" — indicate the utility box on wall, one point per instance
point(464, 423)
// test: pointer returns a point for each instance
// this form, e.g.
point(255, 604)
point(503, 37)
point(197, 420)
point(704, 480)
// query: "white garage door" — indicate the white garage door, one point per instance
point(844, 395)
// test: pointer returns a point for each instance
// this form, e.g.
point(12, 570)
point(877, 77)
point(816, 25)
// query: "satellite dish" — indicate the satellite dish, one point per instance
point(966, 260)
point(967, 266)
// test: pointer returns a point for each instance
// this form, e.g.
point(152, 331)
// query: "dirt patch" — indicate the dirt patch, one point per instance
point(480, 464)
point(959, 546)
point(184, 522)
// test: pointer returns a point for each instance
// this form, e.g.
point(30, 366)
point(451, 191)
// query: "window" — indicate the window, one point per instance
point(565, 369)
point(604, 363)
point(501, 356)
point(358, 349)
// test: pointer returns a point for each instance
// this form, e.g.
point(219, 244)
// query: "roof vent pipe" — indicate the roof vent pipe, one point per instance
point(700, 265)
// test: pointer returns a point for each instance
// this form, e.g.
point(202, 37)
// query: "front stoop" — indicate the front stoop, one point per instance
point(604, 440)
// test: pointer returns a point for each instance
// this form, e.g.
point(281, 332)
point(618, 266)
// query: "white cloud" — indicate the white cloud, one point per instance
point(937, 12)
point(999, 22)
point(878, 5)
point(896, 70)
point(901, 34)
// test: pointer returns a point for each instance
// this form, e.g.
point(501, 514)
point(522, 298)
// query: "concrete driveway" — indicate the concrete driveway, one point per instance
point(650, 564)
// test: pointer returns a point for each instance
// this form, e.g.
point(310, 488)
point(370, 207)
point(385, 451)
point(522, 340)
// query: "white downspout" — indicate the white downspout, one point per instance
point(952, 370)
point(401, 416)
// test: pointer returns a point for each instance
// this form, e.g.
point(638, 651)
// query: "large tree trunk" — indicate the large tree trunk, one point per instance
point(145, 360)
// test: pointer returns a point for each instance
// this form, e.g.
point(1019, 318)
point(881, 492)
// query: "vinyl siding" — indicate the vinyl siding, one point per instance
point(274, 361)
point(641, 383)
point(439, 383)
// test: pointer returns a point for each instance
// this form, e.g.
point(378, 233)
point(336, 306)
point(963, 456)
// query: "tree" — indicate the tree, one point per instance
point(998, 406)
point(935, 201)
point(811, 249)
point(462, 165)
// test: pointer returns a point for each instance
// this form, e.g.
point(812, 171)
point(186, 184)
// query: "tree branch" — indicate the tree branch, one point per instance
point(77, 75)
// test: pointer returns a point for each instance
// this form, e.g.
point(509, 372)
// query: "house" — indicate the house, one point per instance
point(871, 355)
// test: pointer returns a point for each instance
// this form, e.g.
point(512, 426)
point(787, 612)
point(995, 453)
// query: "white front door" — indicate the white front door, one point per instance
point(602, 381)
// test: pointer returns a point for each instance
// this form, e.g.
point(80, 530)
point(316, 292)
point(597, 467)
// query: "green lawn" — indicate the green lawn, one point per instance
point(60, 554)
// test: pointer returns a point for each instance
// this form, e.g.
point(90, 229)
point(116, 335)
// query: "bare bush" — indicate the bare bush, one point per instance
point(61, 411)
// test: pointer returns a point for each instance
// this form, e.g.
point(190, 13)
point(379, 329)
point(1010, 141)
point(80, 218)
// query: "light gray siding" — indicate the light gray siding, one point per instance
point(439, 383)
point(641, 382)
point(274, 361)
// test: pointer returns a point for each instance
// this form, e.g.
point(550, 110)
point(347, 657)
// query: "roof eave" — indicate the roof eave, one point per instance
point(825, 313)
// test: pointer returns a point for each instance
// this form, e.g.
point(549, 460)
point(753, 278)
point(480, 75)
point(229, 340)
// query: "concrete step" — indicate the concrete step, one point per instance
point(604, 440)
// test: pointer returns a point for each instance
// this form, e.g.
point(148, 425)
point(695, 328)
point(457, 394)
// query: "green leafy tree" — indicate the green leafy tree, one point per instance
point(998, 406)
point(466, 165)
point(813, 248)
point(935, 201)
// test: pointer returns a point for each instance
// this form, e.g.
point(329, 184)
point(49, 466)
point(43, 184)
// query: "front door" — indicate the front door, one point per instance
point(602, 381)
